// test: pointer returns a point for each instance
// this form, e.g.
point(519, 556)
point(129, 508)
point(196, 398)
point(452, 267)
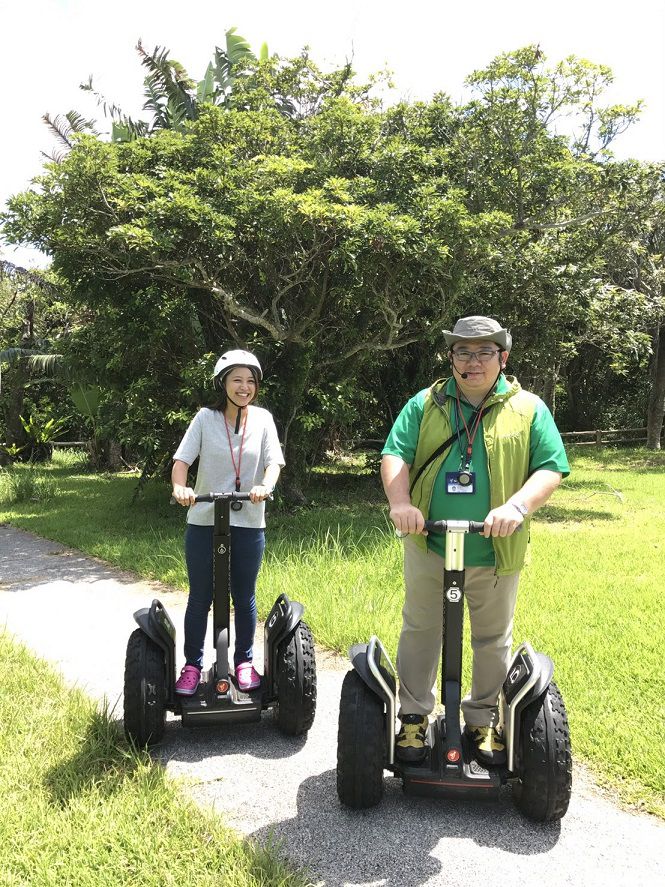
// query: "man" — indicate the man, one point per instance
point(502, 457)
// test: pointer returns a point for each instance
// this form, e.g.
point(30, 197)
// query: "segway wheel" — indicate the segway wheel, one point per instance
point(296, 682)
point(361, 744)
point(145, 690)
point(545, 765)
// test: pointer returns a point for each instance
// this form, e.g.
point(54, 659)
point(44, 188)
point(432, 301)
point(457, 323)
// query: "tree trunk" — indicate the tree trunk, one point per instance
point(293, 379)
point(16, 392)
point(657, 396)
point(548, 390)
point(572, 411)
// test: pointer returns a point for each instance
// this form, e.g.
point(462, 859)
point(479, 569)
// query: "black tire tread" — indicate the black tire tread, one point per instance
point(361, 745)
point(546, 764)
point(296, 682)
point(144, 691)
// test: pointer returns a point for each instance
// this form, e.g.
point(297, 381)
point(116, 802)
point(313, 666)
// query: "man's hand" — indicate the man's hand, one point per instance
point(407, 519)
point(183, 495)
point(502, 521)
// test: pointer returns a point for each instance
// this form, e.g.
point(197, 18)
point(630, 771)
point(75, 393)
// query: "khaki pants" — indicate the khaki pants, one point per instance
point(491, 602)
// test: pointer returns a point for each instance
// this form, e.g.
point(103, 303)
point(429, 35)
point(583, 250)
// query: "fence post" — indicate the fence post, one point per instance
point(599, 435)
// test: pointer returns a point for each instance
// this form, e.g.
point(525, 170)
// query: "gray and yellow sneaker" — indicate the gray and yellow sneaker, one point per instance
point(487, 744)
point(410, 745)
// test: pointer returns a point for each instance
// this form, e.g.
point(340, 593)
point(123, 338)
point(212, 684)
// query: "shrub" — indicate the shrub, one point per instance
point(26, 485)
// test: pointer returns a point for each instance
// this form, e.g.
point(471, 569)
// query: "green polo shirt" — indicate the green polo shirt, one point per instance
point(546, 450)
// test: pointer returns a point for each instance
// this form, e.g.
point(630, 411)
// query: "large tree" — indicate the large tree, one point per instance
point(316, 239)
point(534, 144)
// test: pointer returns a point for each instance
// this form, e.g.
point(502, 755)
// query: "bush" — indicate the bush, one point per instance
point(26, 485)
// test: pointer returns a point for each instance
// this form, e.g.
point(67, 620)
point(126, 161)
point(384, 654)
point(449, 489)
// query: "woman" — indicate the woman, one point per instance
point(238, 449)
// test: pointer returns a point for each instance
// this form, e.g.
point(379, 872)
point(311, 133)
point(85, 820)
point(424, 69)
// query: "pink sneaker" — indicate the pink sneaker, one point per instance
point(247, 676)
point(188, 682)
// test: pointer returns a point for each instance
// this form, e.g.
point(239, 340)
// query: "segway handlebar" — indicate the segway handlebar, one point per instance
point(212, 497)
point(463, 526)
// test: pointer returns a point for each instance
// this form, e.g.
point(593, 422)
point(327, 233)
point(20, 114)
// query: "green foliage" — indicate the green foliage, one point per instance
point(26, 485)
point(279, 207)
point(86, 399)
point(43, 432)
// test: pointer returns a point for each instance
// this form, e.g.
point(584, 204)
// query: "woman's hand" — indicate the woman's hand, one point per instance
point(183, 495)
point(259, 493)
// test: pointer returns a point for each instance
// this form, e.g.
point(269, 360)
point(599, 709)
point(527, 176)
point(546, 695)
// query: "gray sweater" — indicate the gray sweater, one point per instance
point(207, 438)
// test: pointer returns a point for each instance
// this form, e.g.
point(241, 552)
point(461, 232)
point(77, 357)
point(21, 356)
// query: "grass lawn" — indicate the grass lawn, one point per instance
point(591, 597)
point(77, 807)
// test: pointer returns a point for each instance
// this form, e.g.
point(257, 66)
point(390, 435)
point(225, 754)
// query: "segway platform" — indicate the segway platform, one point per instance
point(437, 776)
point(214, 704)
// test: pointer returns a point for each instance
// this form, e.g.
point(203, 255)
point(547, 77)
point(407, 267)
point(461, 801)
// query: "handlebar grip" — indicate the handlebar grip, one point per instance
point(436, 526)
point(441, 526)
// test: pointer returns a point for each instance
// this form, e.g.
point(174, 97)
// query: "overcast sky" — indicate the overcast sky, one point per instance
point(48, 47)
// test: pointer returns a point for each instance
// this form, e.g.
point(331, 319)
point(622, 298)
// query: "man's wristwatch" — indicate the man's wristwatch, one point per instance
point(521, 507)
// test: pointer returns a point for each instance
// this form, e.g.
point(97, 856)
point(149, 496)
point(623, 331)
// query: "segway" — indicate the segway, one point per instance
point(537, 737)
point(288, 684)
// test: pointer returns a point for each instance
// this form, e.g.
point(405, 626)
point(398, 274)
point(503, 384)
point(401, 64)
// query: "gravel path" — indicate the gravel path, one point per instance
point(76, 612)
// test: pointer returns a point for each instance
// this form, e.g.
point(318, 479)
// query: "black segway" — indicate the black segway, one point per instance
point(537, 737)
point(288, 685)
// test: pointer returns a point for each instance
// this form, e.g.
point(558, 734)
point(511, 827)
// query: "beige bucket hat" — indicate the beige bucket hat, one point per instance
point(478, 327)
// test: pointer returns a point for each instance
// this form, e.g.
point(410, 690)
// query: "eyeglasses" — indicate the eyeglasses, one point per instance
point(483, 356)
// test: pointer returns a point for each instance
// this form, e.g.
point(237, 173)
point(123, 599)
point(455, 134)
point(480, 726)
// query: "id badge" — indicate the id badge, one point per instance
point(460, 481)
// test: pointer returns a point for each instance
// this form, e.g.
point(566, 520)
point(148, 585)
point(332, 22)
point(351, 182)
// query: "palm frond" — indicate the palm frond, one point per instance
point(124, 129)
point(13, 355)
point(78, 123)
point(60, 128)
point(47, 365)
point(168, 78)
point(63, 126)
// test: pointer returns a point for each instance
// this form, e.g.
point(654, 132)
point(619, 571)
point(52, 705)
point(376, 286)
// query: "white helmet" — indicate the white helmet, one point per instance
point(235, 358)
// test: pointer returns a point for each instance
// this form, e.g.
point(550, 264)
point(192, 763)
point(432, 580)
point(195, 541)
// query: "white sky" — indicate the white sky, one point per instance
point(48, 47)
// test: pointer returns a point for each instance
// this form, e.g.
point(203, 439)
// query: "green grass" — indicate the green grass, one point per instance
point(591, 597)
point(77, 806)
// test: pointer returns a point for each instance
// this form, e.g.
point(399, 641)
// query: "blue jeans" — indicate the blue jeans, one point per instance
point(247, 545)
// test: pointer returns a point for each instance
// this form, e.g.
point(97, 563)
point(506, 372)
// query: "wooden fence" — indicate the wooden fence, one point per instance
point(70, 443)
point(595, 438)
point(599, 438)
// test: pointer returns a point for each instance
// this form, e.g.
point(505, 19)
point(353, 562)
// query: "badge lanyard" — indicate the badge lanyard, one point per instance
point(236, 468)
point(470, 435)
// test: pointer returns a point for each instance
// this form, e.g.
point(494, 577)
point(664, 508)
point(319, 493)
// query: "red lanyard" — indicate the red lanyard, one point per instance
point(236, 468)
point(470, 435)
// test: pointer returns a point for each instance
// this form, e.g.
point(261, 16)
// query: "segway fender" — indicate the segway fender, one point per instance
point(372, 664)
point(282, 621)
point(358, 657)
point(529, 676)
point(156, 623)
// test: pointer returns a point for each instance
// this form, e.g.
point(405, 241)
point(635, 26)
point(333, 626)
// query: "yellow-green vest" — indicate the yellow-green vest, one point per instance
point(506, 432)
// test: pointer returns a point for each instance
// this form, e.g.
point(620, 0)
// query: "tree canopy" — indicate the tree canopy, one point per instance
point(289, 212)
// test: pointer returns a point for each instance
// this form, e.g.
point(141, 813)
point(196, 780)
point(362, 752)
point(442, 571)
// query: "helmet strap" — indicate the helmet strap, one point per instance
point(239, 415)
